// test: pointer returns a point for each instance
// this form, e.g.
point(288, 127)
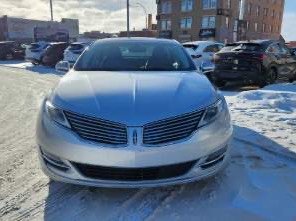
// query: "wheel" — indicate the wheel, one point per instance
point(220, 83)
point(270, 77)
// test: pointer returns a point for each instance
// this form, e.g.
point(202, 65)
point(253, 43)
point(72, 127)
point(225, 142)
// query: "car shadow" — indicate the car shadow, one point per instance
point(249, 150)
point(20, 64)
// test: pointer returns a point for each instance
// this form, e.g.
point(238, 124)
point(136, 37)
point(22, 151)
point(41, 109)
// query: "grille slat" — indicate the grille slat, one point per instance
point(97, 130)
point(169, 134)
point(94, 130)
point(92, 120)
point(171, 129)
point(95, 125)
point(173, 121)
point(169, 125)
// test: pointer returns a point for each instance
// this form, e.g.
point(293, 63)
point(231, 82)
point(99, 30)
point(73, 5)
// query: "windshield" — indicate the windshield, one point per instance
point(135, 56)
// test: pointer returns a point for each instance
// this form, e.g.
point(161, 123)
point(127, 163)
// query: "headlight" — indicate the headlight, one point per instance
point(212, 112)
point(56, 114)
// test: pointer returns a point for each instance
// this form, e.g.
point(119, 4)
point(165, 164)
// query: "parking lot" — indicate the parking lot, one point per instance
point(258, 184)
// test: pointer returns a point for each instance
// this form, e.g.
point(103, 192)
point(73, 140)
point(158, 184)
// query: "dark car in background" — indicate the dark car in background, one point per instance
point(11, 50)
point(261, 62)
point(54, 53)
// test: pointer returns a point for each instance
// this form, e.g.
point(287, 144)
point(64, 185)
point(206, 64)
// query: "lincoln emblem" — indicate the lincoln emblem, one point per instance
point(135, 137)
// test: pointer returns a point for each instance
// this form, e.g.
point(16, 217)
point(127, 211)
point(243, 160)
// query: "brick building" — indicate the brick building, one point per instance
point(220, 20)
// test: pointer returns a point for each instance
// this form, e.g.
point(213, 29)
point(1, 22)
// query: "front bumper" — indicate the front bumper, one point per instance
point(69, 149)
point(237, 75)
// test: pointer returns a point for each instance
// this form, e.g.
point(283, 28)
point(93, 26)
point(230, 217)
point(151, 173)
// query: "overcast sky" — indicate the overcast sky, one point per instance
point(109, 15)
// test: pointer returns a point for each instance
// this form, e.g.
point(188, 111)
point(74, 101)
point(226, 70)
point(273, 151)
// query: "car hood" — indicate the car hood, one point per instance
point(133, 98)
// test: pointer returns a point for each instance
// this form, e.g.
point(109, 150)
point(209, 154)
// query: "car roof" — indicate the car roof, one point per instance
point(261, 41)
point(6, 42)
point(201, 44)
point(137, 39)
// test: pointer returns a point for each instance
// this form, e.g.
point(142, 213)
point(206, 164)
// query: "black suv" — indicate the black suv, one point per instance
point(11, 50)
point(54, 53)
point(261, 62)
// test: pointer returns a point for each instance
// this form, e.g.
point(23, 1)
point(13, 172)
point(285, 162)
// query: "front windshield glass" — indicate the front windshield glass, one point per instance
point(135, 56)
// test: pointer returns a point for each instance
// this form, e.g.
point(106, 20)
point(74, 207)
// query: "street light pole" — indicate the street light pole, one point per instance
point(51, 12)
point(127, 19)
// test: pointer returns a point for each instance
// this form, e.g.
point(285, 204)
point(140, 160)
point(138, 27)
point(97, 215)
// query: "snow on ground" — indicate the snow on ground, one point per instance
point(28, 66)
point(258, 184)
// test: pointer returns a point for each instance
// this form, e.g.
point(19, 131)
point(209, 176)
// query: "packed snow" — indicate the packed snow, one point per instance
point(258, 184)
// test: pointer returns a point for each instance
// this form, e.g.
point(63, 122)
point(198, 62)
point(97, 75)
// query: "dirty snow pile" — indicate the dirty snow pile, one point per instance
point(258, 184)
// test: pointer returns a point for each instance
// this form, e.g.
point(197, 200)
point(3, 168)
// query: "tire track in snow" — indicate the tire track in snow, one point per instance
point(143, 204)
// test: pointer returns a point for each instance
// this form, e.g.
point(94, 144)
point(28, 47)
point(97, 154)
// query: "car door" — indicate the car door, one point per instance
point(275, 58)
point(290, 61)
point(209, 53)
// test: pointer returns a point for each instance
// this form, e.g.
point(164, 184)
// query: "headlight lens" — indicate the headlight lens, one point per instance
point(56, 114)
point(212, 112)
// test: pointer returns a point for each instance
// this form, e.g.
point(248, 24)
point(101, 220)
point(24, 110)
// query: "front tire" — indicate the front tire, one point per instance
point(270, 77)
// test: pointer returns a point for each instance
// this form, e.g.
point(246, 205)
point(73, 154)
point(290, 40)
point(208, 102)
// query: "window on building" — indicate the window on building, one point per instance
point(166, 25)
point(248, 25)
point(186, 5)
point(228, 4)
point(249, 8)
point(256, 27)
point(186, 23)
point(208, 22)
point(273, 13)
point(227, 22)
point(265, 11)
point(209, 4)
point(264, 27)
point(166, 7)
point(258, 11)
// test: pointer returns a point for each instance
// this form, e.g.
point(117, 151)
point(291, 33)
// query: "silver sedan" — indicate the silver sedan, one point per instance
point(133, 112)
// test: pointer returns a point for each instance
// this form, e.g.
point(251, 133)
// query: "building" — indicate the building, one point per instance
point(220, 20)
point(20, 29)
point(151, 32)
point(96, 35)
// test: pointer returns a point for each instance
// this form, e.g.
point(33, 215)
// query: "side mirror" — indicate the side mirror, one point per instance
point(63, 67)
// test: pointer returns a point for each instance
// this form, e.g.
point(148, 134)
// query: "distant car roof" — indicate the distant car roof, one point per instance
point(262, 41)
point(138, 39)
point(7, 42)
point(201, 42)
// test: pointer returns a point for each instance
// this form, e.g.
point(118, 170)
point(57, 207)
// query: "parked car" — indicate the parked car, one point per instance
point(54, 53)
point(11, 50)
point(148, 119)
point(202, 51)
point(74, 50)
point(261, 62)
point(35, 52)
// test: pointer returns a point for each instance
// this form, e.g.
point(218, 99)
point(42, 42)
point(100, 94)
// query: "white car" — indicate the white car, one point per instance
point(202, 51)
point(72, 53)
point(35, 51)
